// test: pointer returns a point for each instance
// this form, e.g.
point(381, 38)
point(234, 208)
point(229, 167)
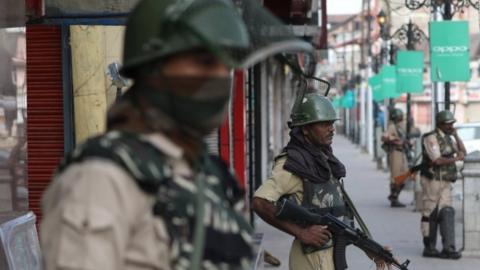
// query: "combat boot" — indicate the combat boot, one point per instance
point(393, 197)
point(429, 250)
point(396, 203)
point(450, 253)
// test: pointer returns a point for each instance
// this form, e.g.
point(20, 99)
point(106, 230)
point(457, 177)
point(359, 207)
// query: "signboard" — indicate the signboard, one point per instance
point(409, 71)
point(389, 81)
point(337, 102)
point(348, 99)
point(375, 83)
point(86, 7)
point(450, 51)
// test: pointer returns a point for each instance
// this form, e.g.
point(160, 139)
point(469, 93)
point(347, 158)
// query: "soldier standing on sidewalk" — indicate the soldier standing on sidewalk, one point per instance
point(441, 148)
point(309, 172)
point(146, 195)
point(394, 140)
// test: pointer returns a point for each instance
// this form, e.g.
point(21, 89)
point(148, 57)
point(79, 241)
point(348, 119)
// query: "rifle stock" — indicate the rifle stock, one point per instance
point(400, 179)
point(290, 211)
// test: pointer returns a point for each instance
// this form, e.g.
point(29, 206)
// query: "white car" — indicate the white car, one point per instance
point(470, 134)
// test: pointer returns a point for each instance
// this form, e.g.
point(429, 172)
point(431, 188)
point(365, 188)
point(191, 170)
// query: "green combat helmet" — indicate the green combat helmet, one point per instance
point(313, 108)
point(396, 114)
point(240, 32)
point(445, 117)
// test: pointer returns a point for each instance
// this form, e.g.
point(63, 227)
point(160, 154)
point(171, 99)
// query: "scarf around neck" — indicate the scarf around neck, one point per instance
point(316, 164)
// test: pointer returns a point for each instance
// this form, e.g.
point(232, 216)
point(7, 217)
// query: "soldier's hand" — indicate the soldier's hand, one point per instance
point(460, 155)
point(316, 235)
point(379, 262)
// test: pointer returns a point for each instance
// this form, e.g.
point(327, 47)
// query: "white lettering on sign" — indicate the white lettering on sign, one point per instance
point(389, 80)
point(450, 49)
point(410, 70)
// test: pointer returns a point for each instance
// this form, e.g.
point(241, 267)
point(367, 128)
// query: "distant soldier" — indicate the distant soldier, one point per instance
point(441, 148)
point(394, 143)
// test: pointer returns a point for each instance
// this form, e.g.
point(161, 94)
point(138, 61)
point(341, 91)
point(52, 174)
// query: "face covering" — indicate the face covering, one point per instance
point(196, 104)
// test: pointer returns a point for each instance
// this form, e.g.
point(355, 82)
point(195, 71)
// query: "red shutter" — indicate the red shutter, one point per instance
point(45, 131)
point(239, 128)
point(224, 140)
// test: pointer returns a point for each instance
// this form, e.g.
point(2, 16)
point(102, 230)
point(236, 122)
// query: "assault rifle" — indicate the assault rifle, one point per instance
point(290, 211)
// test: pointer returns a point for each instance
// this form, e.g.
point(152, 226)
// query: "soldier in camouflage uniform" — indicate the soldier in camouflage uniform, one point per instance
point(309, 173)
point(146, 195)
point(394, 140)
point(441, 149)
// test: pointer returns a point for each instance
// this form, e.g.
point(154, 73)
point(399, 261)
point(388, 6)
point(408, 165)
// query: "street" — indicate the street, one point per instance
point(398, 228)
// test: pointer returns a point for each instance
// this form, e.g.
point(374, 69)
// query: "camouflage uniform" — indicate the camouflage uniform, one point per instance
point(138, 209)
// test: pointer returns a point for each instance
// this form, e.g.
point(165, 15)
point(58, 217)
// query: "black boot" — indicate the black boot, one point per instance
point(393, 197)
point(396, 203)
point(429, 250)
point(450, 253)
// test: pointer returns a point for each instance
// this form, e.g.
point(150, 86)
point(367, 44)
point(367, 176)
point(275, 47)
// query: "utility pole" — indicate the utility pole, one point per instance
point(410, 47)
point(437, 96)
point(364, 87)
point(447, 16)
point(369, 111)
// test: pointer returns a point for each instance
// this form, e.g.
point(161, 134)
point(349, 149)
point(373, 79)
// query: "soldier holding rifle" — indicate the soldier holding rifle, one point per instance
point(308, 172)
point(395, 141)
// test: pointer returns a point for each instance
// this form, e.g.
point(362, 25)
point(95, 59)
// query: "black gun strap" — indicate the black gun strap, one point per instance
point(339, 259)
point(356, 215)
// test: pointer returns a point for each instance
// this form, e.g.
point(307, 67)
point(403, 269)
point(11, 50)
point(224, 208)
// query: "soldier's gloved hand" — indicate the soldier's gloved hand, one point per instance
point(316, 235)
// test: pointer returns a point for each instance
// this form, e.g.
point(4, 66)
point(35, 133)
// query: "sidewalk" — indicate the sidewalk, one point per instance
point(397, 228)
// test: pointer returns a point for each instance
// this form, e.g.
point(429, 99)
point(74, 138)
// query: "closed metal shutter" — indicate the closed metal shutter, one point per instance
point(45, 130)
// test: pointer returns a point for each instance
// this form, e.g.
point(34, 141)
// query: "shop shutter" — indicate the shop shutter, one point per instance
point(45, 130)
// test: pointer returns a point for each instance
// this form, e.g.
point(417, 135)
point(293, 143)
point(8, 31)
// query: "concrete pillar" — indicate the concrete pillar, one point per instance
point(471, 174)
point(88, 68)
point(93, 48)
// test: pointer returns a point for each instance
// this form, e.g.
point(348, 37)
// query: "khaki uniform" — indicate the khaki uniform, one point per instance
point(280, 183)
point(396, 156)
point(435, 191)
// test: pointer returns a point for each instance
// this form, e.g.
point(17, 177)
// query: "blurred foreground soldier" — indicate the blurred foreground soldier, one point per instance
point(146, 195)
point(308, 172)
point(441, 148)
point(394, 140)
